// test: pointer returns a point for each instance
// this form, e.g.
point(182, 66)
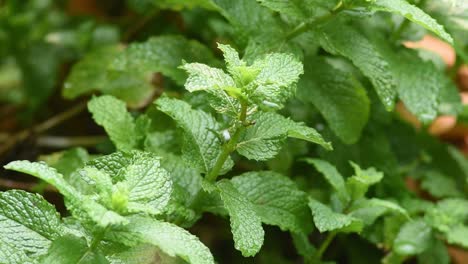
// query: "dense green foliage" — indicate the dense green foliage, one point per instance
point(289, 123)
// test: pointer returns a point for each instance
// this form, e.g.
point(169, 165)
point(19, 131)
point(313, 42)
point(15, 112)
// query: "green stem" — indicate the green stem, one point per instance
point(325, 244)
point(229, 147)
point(305, 26)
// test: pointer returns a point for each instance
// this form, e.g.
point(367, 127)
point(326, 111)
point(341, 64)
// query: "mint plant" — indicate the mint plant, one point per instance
point(285, 128)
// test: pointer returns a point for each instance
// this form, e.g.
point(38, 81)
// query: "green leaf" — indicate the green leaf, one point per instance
point(201, 146)
point(458, 235)
point(99, 214)
point(412, 13)
point(171, 239)
point(113, 164)
point(28, 224)
point(436, 253)
point(112, 114)
point(298, 9)
point(215, 82)
point(338, 96)
point(162, 54)
point(70, 249)
point(276, 199)
point(414, 237)
point(448, 213)
point(148, 184)
point(332, 176)
point(11, 254)
point(276, 81)
point(346, 41)
point(45, 173)
point(91, 74)
point(246, 225)
point(358, 184)
point(327, 220)
point(440, 185)
point(263, 140)
point(368, 210)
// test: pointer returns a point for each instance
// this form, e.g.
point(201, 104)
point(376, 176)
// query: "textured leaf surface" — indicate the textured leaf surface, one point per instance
point(28, 224)
point(412, 13)
point(112, 114)
point(45, 173)
point(246, 225)
point(148, 184)
point(162, 54)
point(413, 238)
point(346, 41)
point(276, 199)
point(332, 176)
point(214, 81)
point(11, 254)
point(201, 146)
point(70, 249)
point(263, 140)
point(327, 220)
point(275, 83)
point(339, 97)
point(171, 239)
point(368, 210)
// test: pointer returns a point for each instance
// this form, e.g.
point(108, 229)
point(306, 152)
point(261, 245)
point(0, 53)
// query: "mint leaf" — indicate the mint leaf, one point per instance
point(414, 237)
point(276, 81)
point(338, 96)
point(112, 114)
point(412, 13)
point(246, 225)
point(327, 220)
point(440, 185)
point(99, 214)
point(11, 254)
point(201, 145)
point(263, 140)
point(113, 164)
point(436, 253)
point(215, 82)
point(171, 239)
point(333, 177)
point(162, 54)
point(45, 173)
point(28, 223)
point(148, 184)
point(358, 184)
point(368, 210)
point(276, 199)
point(346, 41)
point(70, 249)
point(458, 235)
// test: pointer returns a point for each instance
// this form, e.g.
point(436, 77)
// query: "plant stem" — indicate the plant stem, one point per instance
point(229, 147)
point(305, 26)
point(325, 244)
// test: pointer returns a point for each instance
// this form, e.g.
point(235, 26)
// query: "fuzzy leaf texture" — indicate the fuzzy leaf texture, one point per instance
point(276, 199)
point(263, 140)
point(201, 146)
point(246, 225)
point(28, 224)
point(340, 98)
point(148, 184)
